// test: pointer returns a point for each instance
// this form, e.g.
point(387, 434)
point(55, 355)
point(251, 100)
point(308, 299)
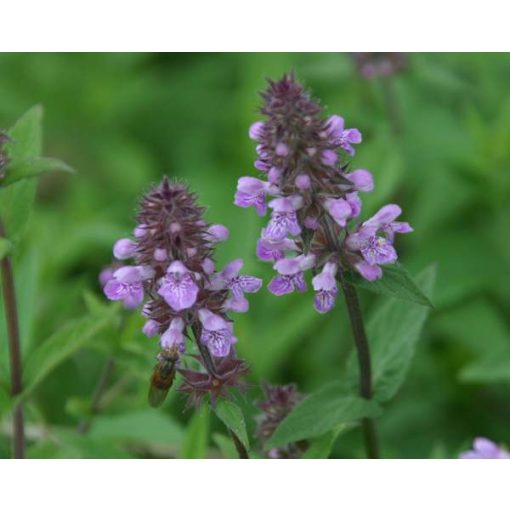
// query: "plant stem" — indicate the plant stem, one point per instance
point(241, 450)
point(11, 316)
point(209, 365)
point(365, 368)
point(84, 425)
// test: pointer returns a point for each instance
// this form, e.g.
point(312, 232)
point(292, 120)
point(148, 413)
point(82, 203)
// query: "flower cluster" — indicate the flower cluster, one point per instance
point(373, 65)
point(277, 404)
point(174, 273)
point(314, 197)
point(485, 449)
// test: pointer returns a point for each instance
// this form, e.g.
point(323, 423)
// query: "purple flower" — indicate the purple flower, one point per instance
point(325, 287)
point(339, 209)
point(485, 449)
point(124, 249)
point(291, 274)
point(303, 182)
point(340, 136)
point(178, 289)
point(252, 192)
point(160, 254)
point(256, 130)
point(105, 275)
point(377, 250)
point(283, 218)
point(150, 328)
point(362, 180)
point(230, 279)
point(126, 285)
point(218, 233)
point(329, 157)
point(217, 333)
point(271, 251)
point(173, 336)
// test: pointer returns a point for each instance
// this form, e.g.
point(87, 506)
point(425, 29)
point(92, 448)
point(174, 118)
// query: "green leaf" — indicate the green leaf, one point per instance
point(33, 167)
point(321, 447)
point(232, 417)
point(197, 435)
point(16, 200)
point(144, 426)
point(396, 282)
point(59, 346)
point(321, 413)
point(5, 247)
point(393, 332)
point(225, 445)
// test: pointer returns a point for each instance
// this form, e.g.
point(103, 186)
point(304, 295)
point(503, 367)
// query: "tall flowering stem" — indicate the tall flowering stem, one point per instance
point(183, 295)
point(314, 200)
point(11, 316)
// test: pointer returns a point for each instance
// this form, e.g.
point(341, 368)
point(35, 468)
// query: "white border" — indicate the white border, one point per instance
point(257, 485)
point(261, 25)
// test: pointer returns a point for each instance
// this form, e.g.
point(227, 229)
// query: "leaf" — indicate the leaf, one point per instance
point(32, 167)
point(5, 247)
point(396, 282)
point(16, 200)
point(320, 413)
point(321, 447)
point(393, 332)
point(196, 439)
point(147, 426)
point(232, 417)
point(59, 346)
point(225, 445)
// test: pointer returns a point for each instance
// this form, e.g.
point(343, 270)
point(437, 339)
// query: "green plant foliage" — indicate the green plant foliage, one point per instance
point(5, 247)
point(393, 332)
point(196, 440)
point(124, 120)
point(320, 413)
point(232, 417)
point(62, 344)
point(396, 282)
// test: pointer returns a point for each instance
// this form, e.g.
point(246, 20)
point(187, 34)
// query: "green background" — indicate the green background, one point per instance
point(124, 120)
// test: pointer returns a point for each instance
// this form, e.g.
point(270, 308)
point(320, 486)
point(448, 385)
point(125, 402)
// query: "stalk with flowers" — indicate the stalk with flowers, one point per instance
point(314, 198)
point(184, 296)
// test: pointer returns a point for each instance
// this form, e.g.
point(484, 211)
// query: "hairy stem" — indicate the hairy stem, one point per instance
point(11, 316)
point(84, 425)
point(364, 362)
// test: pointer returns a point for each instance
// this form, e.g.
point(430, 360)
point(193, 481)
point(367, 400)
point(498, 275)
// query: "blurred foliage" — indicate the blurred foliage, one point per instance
point(123, 120)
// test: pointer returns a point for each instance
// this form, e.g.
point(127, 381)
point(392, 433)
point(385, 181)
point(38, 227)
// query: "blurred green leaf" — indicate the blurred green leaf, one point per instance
point(225, 445)
point(5, 247)
point(144, 426)
point(321, 412)
point(232, 417)
point(16, 200)
point(321, 447)
point(33, 167)
point(196, 440)
point(396, 282)
point(62, 344)
point(393, 332)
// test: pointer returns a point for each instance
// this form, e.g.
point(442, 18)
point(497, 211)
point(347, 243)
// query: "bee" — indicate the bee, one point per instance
point(163, 376)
